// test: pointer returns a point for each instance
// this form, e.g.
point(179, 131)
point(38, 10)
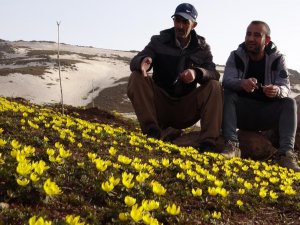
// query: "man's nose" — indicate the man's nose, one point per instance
point(250, 37)
point(180, 24)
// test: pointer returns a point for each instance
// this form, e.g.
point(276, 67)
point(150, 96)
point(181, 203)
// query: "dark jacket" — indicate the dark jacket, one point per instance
point(169, 61)
point(276, 71)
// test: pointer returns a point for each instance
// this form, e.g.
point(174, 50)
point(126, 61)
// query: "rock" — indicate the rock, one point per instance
point(4, 205)
point(255, 145)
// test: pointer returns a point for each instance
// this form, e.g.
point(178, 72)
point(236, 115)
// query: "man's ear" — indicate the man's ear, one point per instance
point(268, 39)
point(195, 24)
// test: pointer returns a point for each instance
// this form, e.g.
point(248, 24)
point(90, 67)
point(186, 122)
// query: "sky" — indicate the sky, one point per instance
point(129, 24)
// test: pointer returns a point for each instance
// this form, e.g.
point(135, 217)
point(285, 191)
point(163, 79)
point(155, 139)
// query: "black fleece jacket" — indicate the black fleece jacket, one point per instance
point(169, 61)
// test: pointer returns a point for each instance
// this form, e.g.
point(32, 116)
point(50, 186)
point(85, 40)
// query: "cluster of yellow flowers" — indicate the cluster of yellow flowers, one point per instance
point(70, 220)
point(205, 176)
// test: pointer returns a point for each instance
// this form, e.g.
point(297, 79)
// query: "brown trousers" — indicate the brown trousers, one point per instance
point(155, 108)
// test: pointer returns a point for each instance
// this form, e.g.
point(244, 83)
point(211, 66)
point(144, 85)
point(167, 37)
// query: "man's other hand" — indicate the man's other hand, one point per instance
point(145, 65)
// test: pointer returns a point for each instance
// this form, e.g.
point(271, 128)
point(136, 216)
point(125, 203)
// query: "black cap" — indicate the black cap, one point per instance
point(187, 11)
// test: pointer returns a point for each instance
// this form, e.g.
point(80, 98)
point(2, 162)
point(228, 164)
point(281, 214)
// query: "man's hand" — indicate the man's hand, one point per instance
point(145, 65)
point(271, 91)
point(188, 76)
point(249, 85)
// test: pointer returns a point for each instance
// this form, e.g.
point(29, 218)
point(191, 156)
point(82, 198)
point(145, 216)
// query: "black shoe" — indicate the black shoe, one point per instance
point(154, 133)
point(207, 147)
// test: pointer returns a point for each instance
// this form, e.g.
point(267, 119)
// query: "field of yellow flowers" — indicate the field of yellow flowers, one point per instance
point(62, 169)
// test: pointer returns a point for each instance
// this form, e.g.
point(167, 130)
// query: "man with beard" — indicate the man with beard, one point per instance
point(256, 87)
point(184, 85)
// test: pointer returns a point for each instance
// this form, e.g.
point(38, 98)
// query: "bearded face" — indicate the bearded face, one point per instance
point(256, 39)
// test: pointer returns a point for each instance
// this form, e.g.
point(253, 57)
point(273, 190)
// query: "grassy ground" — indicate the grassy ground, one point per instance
point(93, 167)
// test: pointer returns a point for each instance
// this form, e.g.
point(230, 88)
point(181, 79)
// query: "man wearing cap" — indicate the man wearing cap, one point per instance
point(184, 86)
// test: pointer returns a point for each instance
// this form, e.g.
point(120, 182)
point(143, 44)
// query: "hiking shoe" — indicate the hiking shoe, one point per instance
point(153, 132)
point(231, 150)
point(289, 160)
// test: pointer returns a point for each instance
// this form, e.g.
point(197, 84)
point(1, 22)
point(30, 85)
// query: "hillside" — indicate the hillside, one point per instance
point(91, 77)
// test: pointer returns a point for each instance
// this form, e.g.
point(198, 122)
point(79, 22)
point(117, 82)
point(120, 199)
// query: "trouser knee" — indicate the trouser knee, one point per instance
point(134, 80)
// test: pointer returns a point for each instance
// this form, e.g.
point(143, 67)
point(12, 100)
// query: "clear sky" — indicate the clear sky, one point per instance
point(129, 24)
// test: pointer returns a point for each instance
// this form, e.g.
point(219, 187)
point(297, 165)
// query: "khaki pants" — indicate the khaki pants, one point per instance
point(154, 108)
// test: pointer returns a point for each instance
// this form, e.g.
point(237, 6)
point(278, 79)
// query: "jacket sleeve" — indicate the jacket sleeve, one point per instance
point(148, 51)
point(282, 78)
point(231, 78)
point(207, 70)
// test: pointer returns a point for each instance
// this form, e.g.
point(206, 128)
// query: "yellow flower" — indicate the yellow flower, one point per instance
point(197, 192)
point(74, 220)
point(23, 182)
point(107, 186)
point(100, 164)
point(40, 221)
point(127, 180)
point(2, 142)
point(289, 190)
point(154, 163)
point(123, 216)
point(40, 167)
point(124, 159)
point(199, 179)
point(158, 189)
point(15, 144)
point(245, 167)
point(112, 150)
point(148, 219)
point(273, 194)
point(46, 139)
point(24, 168)
point(263, 192)
point(223, 192)
point(241, 191)
point(239, 202)
point(51, 188)
point(137, 213)
point(212, 191)
point(150, 205)
point(114, 181)
point(92, 156)
point(25, 114)
point(64, 153)
point(34, 177)
point(180, 176)
point(141, 177)
point(173, 209)
point(216, 215)
point(248, 185)
point(130, 201)
point(50, 152)
point(165, 162)
point(219, 183)
point(274, 180)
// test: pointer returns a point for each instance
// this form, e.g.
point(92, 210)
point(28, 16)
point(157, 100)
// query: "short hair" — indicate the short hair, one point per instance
point(258, 22)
